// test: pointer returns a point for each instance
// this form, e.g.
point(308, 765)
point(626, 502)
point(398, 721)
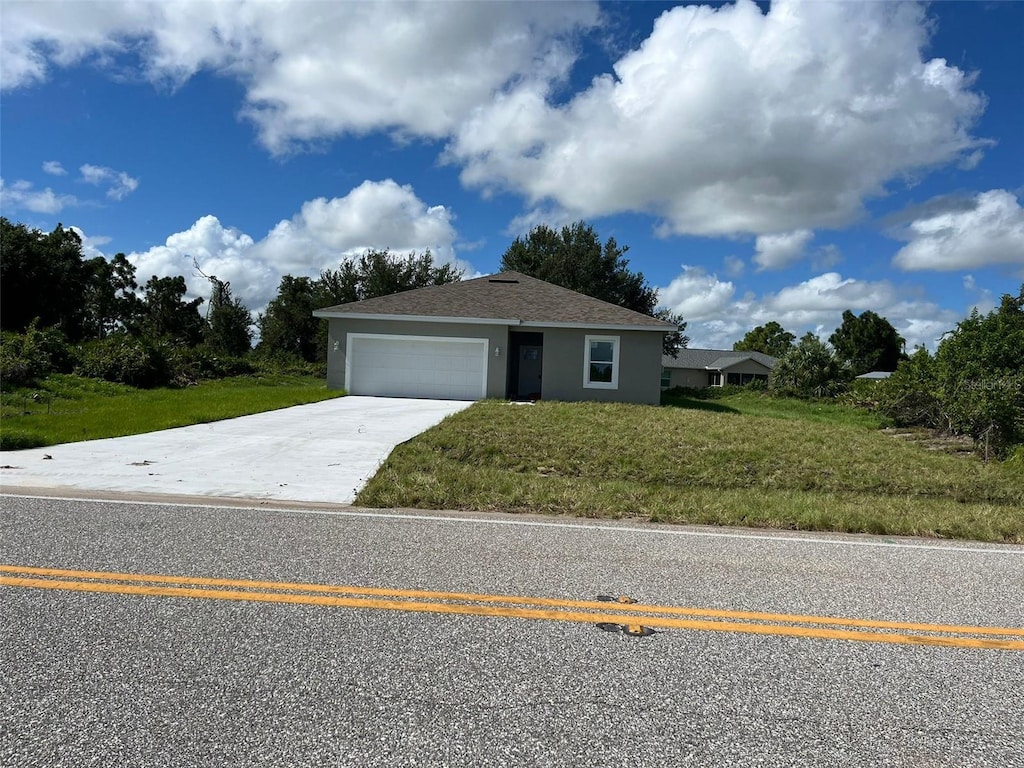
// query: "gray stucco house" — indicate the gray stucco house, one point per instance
point(502, 336)
point(699, 368)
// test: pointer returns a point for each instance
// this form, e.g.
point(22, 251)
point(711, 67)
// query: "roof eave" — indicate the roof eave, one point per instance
point(415, 318)
point(326, 313)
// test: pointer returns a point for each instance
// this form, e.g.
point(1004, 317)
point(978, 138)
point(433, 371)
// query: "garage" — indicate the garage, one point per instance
point(432, 367)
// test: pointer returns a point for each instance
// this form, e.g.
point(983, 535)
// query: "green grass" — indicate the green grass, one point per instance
point(66, 408)
point(743, 459)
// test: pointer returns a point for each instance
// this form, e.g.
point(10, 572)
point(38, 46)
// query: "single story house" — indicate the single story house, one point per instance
point(501, 336)
point(699, 368)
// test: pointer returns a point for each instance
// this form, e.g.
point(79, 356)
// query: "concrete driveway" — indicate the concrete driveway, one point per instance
point(322, 452)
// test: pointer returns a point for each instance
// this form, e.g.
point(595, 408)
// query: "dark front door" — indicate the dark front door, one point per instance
point(526, 365)
point(531, 359)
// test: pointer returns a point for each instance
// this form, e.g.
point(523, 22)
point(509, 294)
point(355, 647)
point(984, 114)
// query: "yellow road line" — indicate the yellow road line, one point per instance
point(605, 607)
point(509, 612)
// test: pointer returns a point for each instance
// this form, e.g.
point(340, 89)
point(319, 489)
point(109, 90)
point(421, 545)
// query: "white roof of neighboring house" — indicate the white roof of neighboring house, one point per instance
point(876, 375)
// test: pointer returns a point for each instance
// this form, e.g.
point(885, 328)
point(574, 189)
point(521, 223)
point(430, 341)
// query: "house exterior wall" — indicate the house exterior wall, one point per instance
point(697, 378)
point(692, 378)
point(496, 335)
point(746, 367)
point(639, 368)
point(639, 373)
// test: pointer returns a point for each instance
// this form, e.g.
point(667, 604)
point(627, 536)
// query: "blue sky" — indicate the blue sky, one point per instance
point(762, 162)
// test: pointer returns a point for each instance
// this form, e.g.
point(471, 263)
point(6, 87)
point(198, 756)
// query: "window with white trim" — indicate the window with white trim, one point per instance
point(601, 362)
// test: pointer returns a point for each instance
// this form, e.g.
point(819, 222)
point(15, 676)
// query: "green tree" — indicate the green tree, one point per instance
point(810, 369)
point(867, 343)
point(228, 322)
point(769, 339)
point(575, 258)
point(288, 327)
point(981, 375)
point(110, 299)
point(973, 385)
point(378, 273)
point(167, 315)
point(42, 276)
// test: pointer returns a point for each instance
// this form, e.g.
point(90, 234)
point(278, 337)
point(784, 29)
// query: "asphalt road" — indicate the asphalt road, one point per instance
point(245, 674)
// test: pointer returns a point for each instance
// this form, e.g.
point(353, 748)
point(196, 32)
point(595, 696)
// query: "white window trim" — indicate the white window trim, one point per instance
point(614, 383)
point(351, 337)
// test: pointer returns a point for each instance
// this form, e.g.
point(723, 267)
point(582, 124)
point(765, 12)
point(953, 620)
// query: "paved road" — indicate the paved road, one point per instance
point(235, 672)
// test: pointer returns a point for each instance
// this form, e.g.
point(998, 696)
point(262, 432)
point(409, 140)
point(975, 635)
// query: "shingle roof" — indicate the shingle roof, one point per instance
point(715, 359)
point(508, 296)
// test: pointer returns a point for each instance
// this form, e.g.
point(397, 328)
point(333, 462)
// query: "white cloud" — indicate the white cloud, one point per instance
point(989, 231)
point(312, 70)
point(91, 245)
point(827, 257)
point(324, 233)
point(717, 320)
point(781, 250)
point(726, 120)
point(734, 266)
point(831, 292)
point(695, 294)
point(54, 168)
point(120, 184)
point(21, 196)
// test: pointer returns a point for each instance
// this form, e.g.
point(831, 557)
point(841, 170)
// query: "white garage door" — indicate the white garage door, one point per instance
point(416, 366)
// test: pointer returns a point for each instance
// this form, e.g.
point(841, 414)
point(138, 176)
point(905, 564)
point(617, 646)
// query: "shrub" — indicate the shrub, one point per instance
point(25, 357)
point(16, 440)
point(809, 370)
point(286, 364)
point(189, 365)
point(126, 359)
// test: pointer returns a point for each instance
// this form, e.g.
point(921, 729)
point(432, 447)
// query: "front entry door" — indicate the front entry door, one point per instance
point(531, 359)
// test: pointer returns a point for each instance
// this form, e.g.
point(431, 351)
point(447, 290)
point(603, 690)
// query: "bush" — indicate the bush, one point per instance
point(25, 357)
point(286, 364)
point(126, 359)
point(809, 370)
point(16, 440)
point(189, 365)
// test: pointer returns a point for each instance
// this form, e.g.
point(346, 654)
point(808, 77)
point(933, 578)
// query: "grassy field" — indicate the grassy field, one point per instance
point(65, 408)
point(740, 460)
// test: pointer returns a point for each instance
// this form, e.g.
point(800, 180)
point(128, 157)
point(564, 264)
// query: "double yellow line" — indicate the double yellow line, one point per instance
point(539, 608)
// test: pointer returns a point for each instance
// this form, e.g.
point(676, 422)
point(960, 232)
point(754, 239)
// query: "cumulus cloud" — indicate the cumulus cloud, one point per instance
point(54, 168)
point(734, 266)
point(695, 294)
point(22, 196)
point(729, 120)
point(987, 230)
point(781, 250)
point(321, 235)
point(119, 184)
point(717, 318)
point(312, 70)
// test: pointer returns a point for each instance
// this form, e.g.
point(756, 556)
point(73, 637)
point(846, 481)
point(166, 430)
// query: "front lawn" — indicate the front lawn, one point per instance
point(65, 408)
point(744, 460)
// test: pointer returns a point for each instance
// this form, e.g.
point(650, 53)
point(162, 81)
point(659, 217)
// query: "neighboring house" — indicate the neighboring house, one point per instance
point(503, 336)
point(875, 375)
point(699, 368)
